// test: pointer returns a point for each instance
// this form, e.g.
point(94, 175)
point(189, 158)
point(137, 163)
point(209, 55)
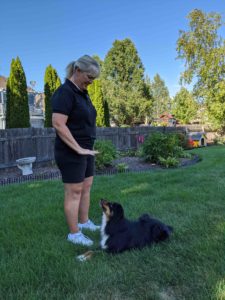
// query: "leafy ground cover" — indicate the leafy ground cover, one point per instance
point(36, 261)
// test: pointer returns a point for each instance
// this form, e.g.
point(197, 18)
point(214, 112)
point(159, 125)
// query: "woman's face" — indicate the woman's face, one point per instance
point(83, 79)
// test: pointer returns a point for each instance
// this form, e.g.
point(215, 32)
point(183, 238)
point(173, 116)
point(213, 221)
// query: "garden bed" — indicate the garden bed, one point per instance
point(132, 163)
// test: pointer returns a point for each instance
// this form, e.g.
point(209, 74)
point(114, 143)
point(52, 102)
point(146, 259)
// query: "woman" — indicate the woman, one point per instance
point(74, 118)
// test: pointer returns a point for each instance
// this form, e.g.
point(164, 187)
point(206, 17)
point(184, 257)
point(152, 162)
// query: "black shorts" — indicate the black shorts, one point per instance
point(75, 168)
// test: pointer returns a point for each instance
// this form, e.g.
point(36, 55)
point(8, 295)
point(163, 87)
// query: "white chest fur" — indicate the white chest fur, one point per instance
point(104, 236)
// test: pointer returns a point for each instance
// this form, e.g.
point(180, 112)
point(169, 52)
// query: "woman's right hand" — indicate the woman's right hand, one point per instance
point(83, 151)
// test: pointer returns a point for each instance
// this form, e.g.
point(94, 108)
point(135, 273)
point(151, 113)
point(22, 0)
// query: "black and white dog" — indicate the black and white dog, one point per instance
point(119, 234)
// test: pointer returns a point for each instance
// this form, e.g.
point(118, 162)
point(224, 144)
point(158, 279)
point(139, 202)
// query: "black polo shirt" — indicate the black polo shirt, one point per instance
point(70, 101)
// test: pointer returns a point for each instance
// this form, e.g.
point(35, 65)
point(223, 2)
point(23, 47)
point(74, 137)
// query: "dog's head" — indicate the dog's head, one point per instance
point(112, 210)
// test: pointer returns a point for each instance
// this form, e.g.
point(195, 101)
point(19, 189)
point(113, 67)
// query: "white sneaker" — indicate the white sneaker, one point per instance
point(89, 225)
point(79, 238)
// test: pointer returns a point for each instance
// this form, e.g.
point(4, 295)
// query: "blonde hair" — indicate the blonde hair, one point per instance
point(86, 64)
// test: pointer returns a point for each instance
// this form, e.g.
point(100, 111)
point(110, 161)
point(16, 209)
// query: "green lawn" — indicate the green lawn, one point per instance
point(36, 261)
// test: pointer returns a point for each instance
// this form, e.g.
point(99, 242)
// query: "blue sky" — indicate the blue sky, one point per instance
point(56, 32)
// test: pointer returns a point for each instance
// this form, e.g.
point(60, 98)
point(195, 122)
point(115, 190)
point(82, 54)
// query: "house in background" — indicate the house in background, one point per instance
point(35, 101)
point(167, 119)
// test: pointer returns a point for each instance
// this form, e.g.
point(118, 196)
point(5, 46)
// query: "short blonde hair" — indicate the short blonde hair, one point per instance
point(86, 64)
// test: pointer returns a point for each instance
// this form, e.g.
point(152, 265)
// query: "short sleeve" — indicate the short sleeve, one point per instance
point(62, 101)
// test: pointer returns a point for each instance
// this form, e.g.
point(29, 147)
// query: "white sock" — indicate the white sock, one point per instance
point(72, 235)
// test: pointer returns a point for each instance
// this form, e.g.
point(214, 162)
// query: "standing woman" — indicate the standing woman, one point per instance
point(74, 119)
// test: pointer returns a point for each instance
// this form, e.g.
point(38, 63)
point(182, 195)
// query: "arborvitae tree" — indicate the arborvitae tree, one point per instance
point(161, 97)
point(17, 108)
point(52, 82)
point(184, 107)
point(123, 84)
point(96, 95)
point(95, 92)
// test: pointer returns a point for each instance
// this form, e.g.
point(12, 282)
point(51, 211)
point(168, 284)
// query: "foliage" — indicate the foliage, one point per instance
point(161, 97)
point(204, 53)
point(125, 88)
point(107, 153)
point(95, 91)
point(51, 83)
point(158, 146)
point(96, 95)
point(182, 140)
point(219, 140)
point(122, 167)
point(184, 107)
point(17, 108)
point(169, 162)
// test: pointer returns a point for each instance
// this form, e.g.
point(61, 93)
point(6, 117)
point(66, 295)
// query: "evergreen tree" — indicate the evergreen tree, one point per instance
point(51, 83)
point(161, 97)
point(184, 107)
point(124, 85)
point(17, 108)
point(96, 95)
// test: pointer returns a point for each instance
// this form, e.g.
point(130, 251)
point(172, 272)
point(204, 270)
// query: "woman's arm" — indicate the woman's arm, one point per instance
point(59, 123)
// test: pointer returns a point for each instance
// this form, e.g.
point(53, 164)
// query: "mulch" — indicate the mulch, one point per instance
point(134, 164)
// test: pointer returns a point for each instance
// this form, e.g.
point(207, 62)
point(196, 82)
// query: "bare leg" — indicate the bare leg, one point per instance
point(71, 204)
point(85, 199)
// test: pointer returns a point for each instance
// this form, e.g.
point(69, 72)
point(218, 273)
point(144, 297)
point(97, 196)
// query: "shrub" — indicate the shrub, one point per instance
point(159, 145)
point(164, 149)
point(183, 140)
point(107, 153)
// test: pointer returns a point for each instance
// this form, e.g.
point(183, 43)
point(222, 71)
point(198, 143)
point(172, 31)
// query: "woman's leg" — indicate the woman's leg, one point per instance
point(73, 192)
point(85, 199)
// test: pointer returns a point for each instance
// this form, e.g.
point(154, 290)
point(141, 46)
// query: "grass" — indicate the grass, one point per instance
point(36, 261)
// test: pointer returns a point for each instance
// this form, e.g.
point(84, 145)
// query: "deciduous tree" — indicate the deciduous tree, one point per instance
point(203, 51)
point(184, 106)
point(161, 97)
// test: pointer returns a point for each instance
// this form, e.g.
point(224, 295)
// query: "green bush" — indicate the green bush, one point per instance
point(107, 153)
point(158, 145)
point(164, 149)
point(183, 140)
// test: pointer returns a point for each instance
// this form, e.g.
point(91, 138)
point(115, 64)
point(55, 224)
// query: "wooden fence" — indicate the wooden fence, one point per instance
point(39, 142)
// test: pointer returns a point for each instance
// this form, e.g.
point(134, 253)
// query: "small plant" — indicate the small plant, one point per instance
point(107, 153)
point(186, 154)
point(122, 167)
point(168, 162)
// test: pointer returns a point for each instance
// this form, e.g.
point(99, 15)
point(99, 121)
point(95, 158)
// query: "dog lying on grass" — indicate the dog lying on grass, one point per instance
point(119, 234)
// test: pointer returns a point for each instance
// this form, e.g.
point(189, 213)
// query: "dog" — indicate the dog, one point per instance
point(119, 234)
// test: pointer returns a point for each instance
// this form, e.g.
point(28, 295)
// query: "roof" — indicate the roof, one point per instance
point(3, 81)
point(196, 135)
point(166, 114)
